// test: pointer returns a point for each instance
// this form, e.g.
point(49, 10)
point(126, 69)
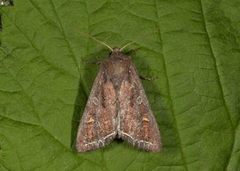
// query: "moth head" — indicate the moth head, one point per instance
point(116, 53)
point(116, 50)
point(119, 50)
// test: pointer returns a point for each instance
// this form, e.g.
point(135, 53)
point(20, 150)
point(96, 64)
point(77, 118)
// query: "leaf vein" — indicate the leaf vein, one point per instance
point(169, 92)
point(220, 85)
point(65, 37)
point(37, 50)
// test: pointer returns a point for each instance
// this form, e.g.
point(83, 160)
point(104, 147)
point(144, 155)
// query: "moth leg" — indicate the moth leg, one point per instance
point(147, 78)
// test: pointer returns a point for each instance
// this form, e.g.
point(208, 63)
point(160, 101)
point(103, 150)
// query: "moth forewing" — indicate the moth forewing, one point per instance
point(138, 124)
point(118, 106)
point(97, 126)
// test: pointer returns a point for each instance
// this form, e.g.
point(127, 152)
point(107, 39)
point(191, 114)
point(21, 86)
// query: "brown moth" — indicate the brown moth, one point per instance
point(118, 108)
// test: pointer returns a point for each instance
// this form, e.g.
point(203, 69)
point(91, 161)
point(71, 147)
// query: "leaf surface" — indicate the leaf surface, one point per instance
point(47, 67)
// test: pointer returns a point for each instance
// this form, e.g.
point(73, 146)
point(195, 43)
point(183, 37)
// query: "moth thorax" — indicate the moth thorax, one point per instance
point(118, 68)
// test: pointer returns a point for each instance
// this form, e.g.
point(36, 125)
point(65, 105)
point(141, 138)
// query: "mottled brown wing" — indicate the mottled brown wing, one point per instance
point(137, 123)
point(98, 126)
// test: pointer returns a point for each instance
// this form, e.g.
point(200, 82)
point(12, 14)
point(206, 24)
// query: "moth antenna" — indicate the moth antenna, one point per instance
point(126, 45)
point(99, 41)
point(102, 43)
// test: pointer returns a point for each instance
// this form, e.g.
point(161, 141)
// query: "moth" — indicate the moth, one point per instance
point(118, 108)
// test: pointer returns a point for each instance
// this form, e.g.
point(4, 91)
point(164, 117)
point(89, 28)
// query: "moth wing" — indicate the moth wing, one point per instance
point(97, 127)
point(137, 122)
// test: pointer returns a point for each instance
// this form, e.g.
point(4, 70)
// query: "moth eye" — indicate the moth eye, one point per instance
point(95, 101)
point(139, 100)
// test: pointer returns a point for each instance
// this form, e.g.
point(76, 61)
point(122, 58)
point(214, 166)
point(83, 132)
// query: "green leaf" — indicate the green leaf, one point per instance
point(191, 48)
